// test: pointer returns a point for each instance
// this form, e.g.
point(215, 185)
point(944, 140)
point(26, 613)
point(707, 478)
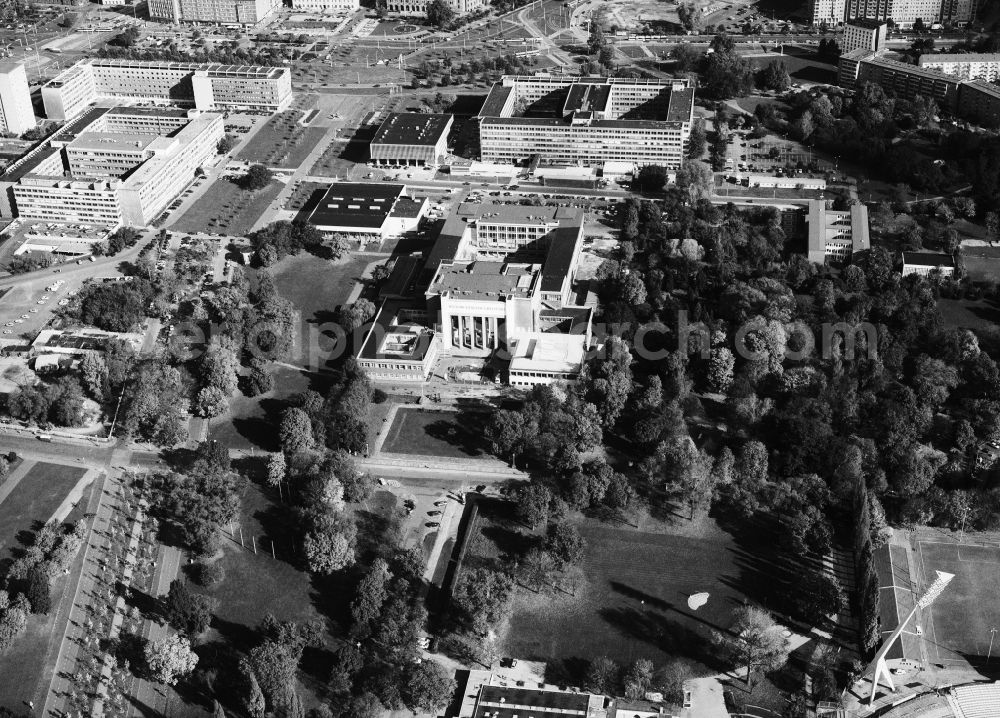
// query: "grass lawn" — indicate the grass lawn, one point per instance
point(964, 613)
point(288, 153)
point(969, 313)
point(631, 590)
point(249, 425)
point(29, 662)
point(317, 287)
point(282, 135)
point(256, 584)
point(34, 499)
point(226, 208)
point(436, 433)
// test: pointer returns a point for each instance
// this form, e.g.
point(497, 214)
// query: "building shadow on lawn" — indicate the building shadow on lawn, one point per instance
point(665, 634)
point(260, 430)
point(766, 570)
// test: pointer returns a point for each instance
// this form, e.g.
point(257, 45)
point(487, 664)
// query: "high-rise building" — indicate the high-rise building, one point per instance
point(207, 86)
point(223, 12)
point(587, 120)
point(830, 12)
point(864, 34)
point(869, 9)
point(16, 113)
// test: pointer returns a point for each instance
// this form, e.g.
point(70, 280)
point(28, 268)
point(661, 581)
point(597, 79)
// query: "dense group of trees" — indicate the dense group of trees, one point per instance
point(280, 239)
point(194, 503)
point(116, 306)
point(59, 402)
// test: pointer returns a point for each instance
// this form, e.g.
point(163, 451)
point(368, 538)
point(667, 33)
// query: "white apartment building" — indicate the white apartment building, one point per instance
point(112, 178)
point(16, 113)
point(904, 13)
point(971, 66)
point(205, 86)
point(214, 12)
point(418, 8)
point(864, 34)
point(830, 12)
point(591, 120)
point(834, 235)
point(326, 5)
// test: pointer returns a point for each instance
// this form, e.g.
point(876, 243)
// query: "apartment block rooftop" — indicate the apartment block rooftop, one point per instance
point(959, 57)
point(112, 141)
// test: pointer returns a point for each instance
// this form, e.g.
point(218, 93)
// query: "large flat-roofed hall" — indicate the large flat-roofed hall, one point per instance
point(411, 139)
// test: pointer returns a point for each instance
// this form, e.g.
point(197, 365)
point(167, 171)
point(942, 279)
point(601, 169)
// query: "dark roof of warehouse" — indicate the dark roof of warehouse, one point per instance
point(350, 204)
point(411, 128)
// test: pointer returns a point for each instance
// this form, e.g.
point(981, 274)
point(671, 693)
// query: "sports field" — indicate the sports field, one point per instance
point(962, 616)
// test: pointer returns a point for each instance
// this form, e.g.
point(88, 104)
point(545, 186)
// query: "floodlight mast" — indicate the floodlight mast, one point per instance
point(878, 667)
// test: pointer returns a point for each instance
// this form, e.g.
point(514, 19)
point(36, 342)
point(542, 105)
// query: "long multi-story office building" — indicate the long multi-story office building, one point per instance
point(207, 87)
point(114, 167)
point(215, 12)
point(904, 13)
point(970, 66)
point(587, 120)
point(16, 112)
point(326, 5)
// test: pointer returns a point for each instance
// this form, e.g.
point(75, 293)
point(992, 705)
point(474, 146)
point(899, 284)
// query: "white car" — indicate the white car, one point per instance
point(33, 311)
point(26, 316)
point(19, 321)
point(40, 301)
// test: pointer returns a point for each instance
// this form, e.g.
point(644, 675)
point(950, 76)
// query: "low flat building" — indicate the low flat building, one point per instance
point(836, 236)
point(78, 342)
point(926, 263)
point(784, 182)
point(545, 357)
point(503, 702)
point(400, 345)
point(368, 211)
point(411, 139)
point(969, 66)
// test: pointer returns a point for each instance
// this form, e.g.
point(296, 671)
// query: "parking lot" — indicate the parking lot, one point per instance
point(28, 306)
